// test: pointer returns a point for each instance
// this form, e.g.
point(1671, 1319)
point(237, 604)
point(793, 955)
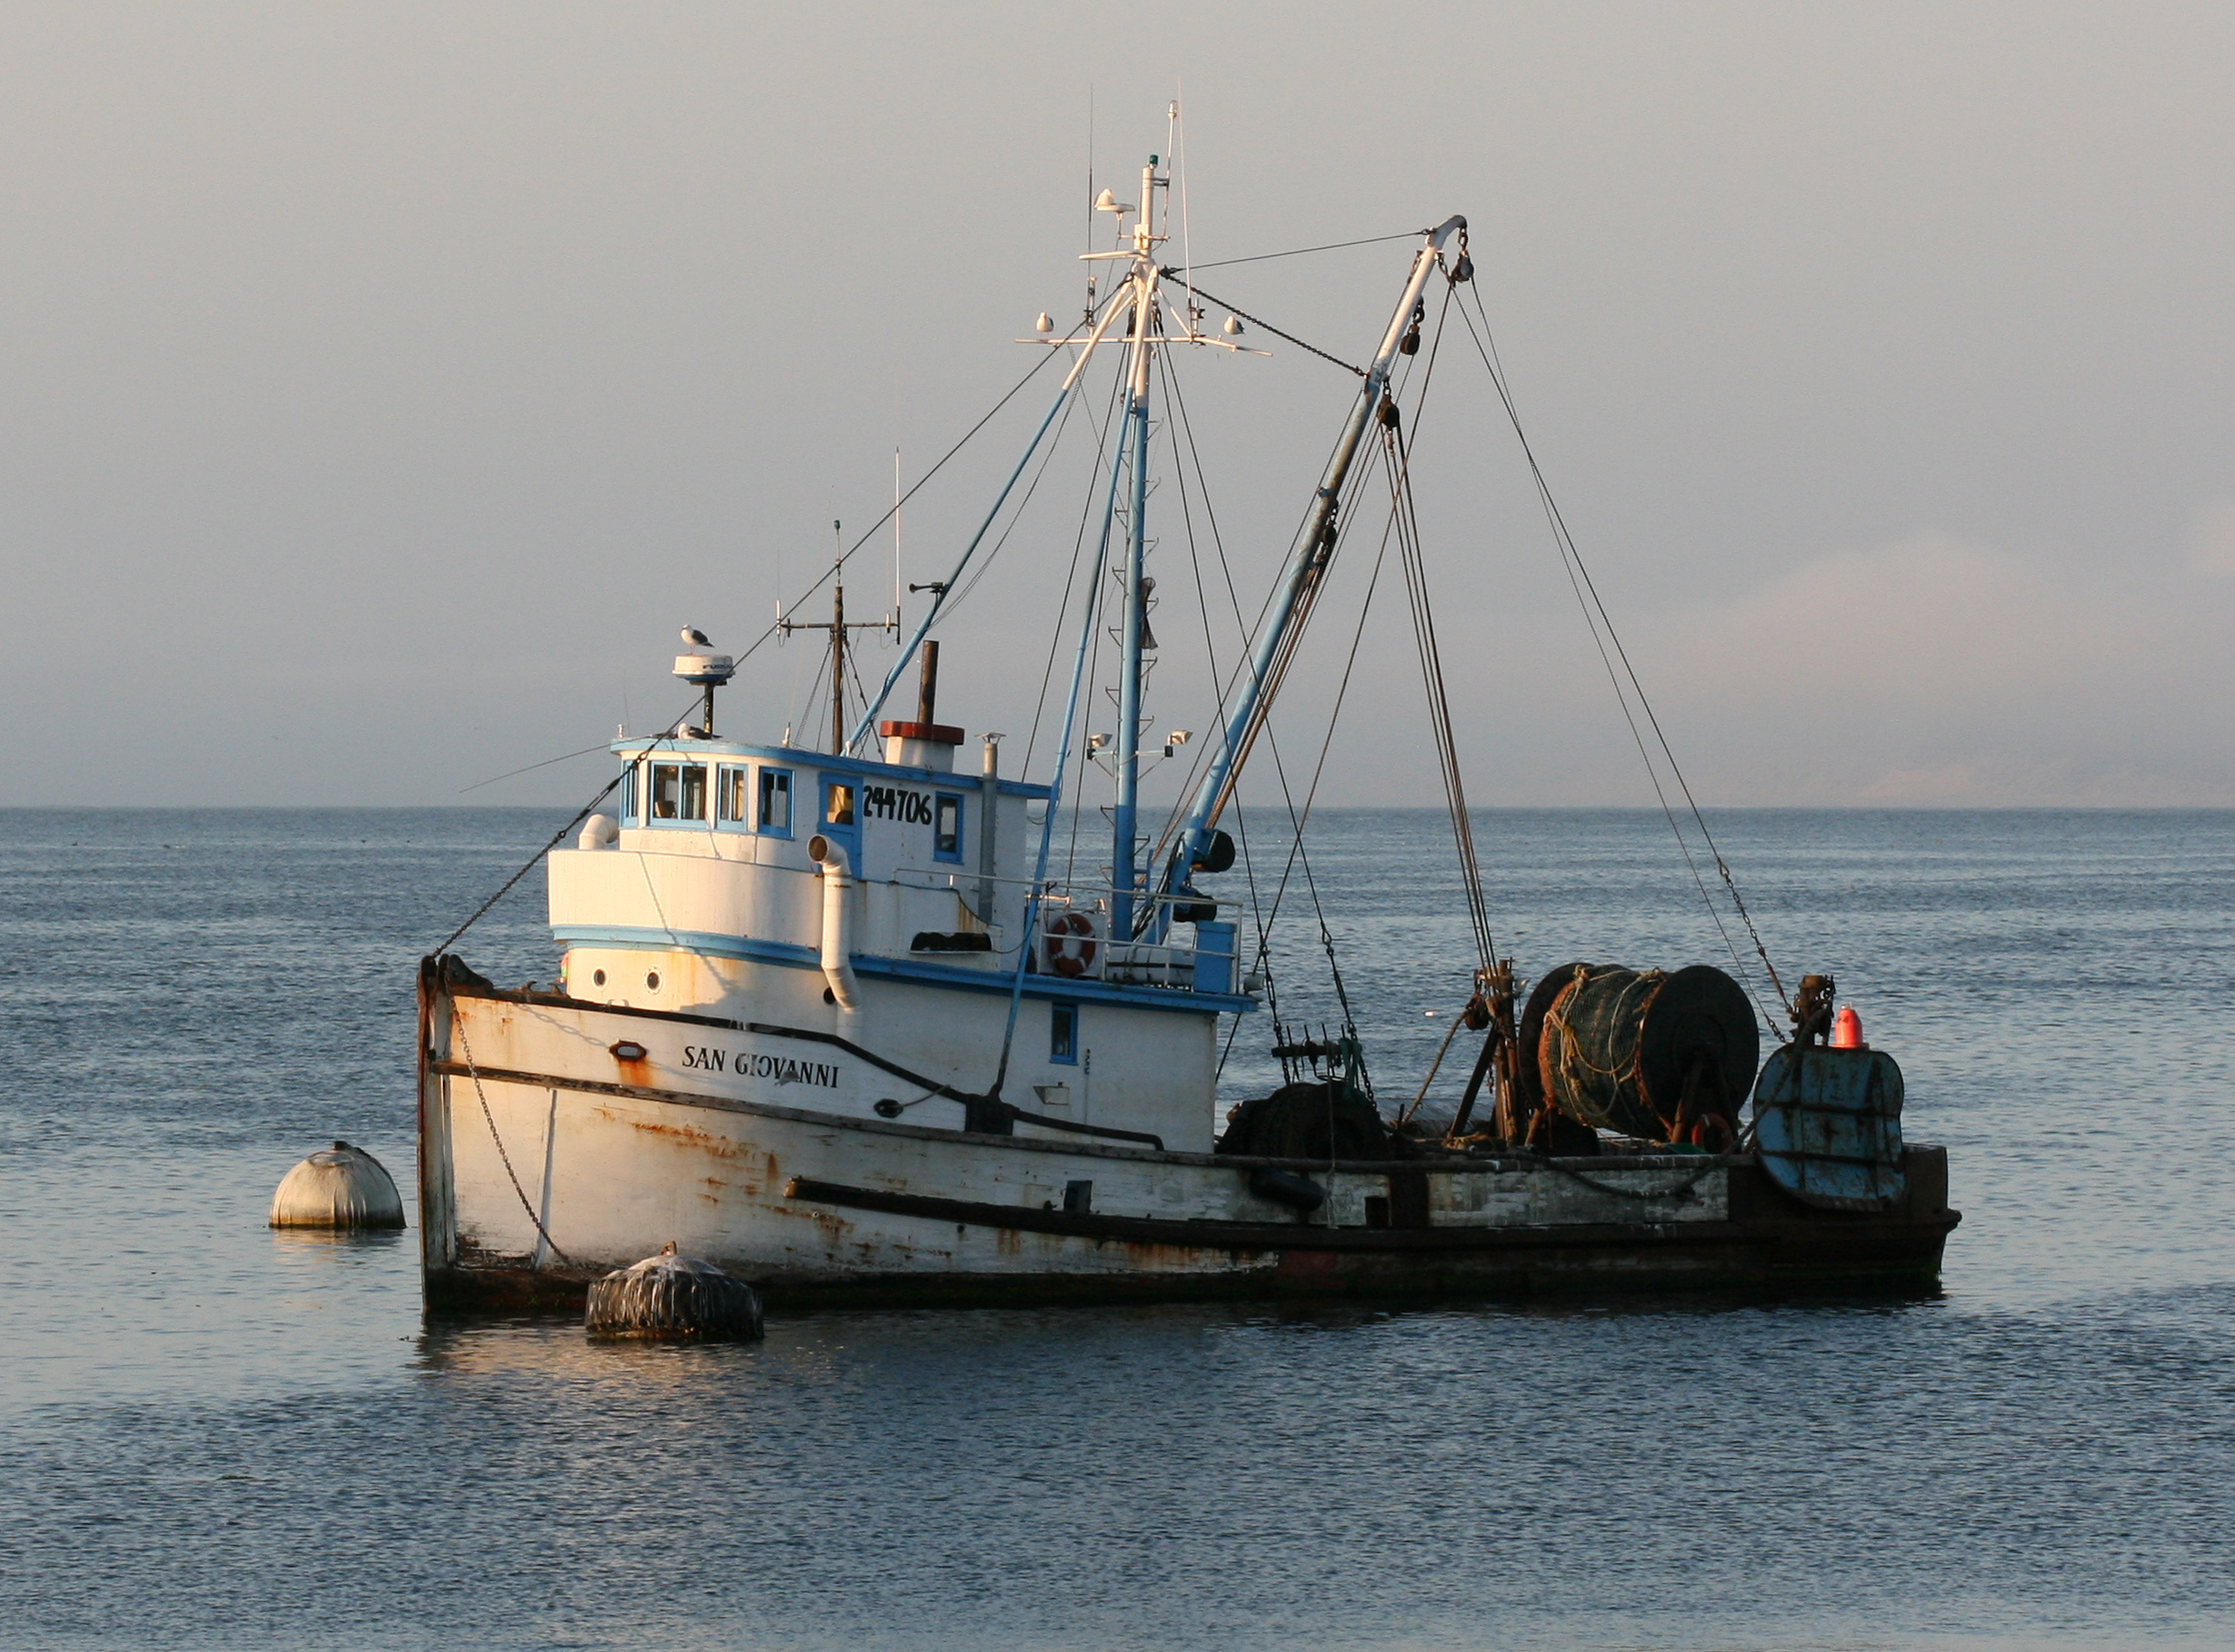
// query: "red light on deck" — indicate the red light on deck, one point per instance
point(1846, 1029)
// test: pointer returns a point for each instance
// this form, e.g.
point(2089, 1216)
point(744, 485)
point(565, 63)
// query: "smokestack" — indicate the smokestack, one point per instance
point(927, 693)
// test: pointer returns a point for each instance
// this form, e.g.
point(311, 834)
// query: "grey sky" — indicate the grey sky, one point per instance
point(385, 384)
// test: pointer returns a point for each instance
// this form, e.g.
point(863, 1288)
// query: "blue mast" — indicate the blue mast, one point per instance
point(1124, 855)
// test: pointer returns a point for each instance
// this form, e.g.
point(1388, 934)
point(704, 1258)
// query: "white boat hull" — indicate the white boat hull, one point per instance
point(546, 1158)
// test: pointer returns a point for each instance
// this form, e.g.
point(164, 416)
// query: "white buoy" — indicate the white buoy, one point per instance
point(340, 1186)
point(673, 1298)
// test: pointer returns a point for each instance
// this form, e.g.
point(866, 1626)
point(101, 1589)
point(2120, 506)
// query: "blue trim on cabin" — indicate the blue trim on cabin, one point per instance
point(1059, 988)
point(800, 756)
point(687, 941)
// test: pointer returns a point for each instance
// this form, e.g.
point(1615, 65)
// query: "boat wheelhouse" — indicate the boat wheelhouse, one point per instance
point(884, 903)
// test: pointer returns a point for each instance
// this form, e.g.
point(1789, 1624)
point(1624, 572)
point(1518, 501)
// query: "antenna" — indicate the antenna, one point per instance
point(838, 625)
point(1089, 311)
point(895, 533)
point(1178, 142)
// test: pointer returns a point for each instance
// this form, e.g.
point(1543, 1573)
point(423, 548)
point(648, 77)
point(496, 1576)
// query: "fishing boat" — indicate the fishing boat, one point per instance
point(830, 1015)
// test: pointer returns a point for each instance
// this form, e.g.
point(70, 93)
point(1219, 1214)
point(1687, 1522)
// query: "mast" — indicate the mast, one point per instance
point(1307, 561)
point(1124, 864)
point(838, 625)
point(838, 665)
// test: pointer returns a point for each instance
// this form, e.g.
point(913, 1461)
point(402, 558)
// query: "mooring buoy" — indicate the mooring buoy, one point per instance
point(673, 1298)
point(338, 1187)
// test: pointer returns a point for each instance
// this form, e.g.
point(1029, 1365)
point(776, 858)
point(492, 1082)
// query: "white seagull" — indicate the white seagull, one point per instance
point(695, 637)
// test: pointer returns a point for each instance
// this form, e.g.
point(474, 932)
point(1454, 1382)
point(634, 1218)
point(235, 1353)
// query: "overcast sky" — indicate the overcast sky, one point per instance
point(385, 385)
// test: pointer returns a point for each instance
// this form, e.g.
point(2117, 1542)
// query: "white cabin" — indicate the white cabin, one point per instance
point(707, 898)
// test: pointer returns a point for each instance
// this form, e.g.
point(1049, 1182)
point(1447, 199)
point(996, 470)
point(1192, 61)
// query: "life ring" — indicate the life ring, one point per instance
point(1713, 1131)
point(1071, 943)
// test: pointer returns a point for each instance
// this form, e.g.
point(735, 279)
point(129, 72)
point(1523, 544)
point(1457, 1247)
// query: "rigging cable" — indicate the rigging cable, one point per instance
point(1173, 428)
point(878, 526)
point(1403, 504)
point(1262, 722)
point(581, 815)
point(1079, 541)
point(1255, 321)
point(1586, 595)
point(1299, 251)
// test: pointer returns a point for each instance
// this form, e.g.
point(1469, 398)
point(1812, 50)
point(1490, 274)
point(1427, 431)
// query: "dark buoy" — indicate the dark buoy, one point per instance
point(339, 1186)
point(673, 1298)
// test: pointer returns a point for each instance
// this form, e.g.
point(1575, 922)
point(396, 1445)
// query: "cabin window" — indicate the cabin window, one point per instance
point(732, 793)
point(947, 830)
point(776, 802)
point(629, 778)
point(678, 791)
point(1063, 1034)
point(838, 804)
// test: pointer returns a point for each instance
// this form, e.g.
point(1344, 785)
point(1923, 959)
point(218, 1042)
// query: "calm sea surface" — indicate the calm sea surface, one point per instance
point(215, 1436)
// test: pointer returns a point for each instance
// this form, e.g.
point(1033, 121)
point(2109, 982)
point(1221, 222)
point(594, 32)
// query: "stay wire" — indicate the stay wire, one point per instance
point(1284, 656)
point(1077, 546)
point(1298, 853)
point(1262, 724)
point(1175, 427)
point(1049, 352)
point(1403, 504)
point(530, 769)
point(581, 815)
point(1586, 593)
point(1299, 251)
point(1257, 320)
point(951, 603)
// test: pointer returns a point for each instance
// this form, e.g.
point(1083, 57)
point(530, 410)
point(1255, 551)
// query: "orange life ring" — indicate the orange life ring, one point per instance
point(1071, 943)
point(1716, 1126)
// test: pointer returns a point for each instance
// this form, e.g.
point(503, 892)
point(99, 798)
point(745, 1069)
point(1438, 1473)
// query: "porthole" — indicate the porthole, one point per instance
point(598, 976)
point(653, 981)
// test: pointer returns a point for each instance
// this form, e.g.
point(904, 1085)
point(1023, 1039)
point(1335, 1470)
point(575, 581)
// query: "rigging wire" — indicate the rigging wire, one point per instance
point(1401, 502)
point(1245, 627)
point(601, 745)
point(1266, 921)
point(1174, 428)
point(1194, 291)
point(1296, 850)
point(1079, 541)
point(1299, 251)
point(1210, 655)
point(837, 566)
point(1586, 595)
point(581, 815)
point(952, 602)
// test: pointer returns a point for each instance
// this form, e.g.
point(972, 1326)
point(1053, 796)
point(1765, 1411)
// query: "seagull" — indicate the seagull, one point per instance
point(694, 636)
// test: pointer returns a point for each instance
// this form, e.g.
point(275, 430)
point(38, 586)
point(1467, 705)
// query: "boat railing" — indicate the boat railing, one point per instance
point(1087, 953)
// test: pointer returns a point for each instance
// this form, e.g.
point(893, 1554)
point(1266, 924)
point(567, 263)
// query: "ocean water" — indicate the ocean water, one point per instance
point(212, 1435)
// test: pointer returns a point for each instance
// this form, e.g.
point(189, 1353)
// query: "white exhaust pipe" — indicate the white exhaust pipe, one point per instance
point(838, 920)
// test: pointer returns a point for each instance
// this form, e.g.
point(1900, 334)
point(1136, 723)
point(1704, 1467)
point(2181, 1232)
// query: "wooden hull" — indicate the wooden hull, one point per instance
point(545, 1161)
